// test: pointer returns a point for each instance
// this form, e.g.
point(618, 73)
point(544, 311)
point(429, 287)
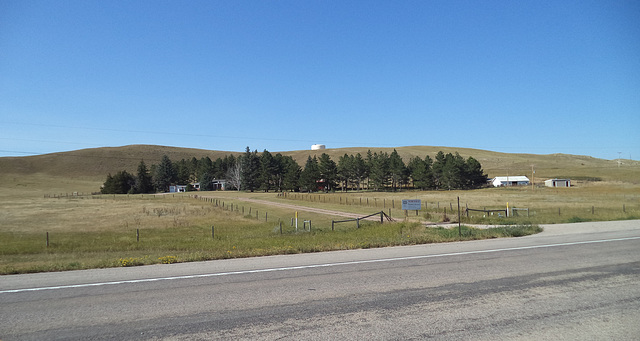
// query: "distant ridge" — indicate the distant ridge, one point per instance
point(96, 163)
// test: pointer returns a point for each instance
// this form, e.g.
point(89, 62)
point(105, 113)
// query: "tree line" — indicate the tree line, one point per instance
point(253, 171)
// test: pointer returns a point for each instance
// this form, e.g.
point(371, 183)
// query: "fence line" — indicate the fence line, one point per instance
point(357, 220)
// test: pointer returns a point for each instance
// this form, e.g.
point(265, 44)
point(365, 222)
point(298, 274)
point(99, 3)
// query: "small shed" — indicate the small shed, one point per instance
point(177, 188)
point(558, 183)
point(507, 181)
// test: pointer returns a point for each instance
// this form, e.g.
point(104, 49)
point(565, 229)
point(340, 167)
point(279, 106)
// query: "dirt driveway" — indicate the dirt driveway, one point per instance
point(301, 208)
point(340, 213)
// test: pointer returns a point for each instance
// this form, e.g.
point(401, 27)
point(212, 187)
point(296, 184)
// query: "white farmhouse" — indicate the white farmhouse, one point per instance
point(507, 181)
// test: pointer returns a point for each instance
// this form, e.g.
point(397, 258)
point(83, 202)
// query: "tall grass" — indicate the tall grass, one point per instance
point(600, 201)
point(26, 252)
point(100, 231)
point(135, 230)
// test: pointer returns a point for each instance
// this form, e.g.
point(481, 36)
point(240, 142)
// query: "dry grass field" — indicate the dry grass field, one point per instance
point(38, 197)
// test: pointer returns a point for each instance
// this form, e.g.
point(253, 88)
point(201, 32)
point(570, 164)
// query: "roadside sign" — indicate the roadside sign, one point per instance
point(411, 204)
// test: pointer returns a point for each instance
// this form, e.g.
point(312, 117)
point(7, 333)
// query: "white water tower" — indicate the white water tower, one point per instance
point(318, 147)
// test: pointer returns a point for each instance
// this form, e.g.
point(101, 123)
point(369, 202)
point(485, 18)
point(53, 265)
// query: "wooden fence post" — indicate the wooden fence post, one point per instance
point(137, 235)
point(212, 233)
point(47, 239)
point(459, 219)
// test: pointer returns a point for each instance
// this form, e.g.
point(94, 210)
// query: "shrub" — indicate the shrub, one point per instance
point(168, 259)
point(131, 261)
point(576, 219)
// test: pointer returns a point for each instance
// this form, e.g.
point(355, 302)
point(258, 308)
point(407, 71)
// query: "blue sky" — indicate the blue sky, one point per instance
point(536, 77)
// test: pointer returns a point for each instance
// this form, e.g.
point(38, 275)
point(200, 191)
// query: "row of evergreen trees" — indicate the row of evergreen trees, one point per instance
point(252, 171)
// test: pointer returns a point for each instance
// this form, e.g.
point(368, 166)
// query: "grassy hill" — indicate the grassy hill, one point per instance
point(94, 164)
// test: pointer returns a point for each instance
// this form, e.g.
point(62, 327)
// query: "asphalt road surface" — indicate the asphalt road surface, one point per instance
point(573, 282)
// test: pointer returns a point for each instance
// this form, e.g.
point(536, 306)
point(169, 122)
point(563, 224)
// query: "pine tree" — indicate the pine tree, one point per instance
point(310, 175)
point(267, 171)
point(418, 172)
point(250, 170)
point(368, 161)
point(475, 176)
point(108, 186)
point(165, 175)
point(193, 166)
point(144, 183)
point(121, 183)
point(346, 171)
point(279, 169)
point(397, 169)
point(205, 173)
point(183, 172)
point(328, 171)
point(206, 182)
point(292, 172)
point(218, 169)
point(228, 162)
point(379, 173)
point(360, 170)
point(438, 169)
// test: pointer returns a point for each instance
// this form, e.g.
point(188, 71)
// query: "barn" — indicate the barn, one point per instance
point(508, 181)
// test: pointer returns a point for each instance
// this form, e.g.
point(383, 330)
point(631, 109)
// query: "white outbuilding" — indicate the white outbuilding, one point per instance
point(507, 181)
point(318, 147)
point(558, 183)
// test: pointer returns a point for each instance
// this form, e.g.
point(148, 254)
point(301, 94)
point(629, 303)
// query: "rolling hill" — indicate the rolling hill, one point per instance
point(95, 163)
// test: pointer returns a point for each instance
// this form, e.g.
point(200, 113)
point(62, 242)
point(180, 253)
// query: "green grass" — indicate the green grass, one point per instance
point(24, 253)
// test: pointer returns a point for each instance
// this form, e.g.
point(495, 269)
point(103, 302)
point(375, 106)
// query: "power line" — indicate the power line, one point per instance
point(187, 134)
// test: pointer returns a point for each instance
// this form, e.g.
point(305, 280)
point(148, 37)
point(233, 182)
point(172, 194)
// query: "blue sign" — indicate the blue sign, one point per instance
point(411, 204)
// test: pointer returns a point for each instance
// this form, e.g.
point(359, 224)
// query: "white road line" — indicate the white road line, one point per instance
point(311, 266)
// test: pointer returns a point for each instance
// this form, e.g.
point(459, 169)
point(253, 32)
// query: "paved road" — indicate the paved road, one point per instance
point(576, 281)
